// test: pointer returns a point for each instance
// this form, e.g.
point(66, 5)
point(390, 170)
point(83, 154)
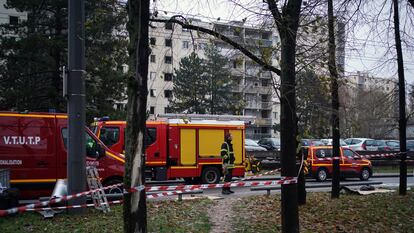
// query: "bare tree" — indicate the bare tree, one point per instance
point(135, 209)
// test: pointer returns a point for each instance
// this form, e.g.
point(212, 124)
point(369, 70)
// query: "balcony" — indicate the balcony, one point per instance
point(259, 42)
point(263, 122)
point(267, 105)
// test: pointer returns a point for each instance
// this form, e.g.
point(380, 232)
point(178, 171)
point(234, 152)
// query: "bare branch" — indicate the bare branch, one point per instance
point(174, 19)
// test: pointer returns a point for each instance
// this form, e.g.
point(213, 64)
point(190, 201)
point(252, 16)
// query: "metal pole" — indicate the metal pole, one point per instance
point(76, 173)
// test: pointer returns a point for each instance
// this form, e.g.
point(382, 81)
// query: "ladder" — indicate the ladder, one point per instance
point(98, 197)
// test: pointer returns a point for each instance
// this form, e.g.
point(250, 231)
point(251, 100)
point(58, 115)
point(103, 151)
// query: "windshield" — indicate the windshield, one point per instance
point(381, 143)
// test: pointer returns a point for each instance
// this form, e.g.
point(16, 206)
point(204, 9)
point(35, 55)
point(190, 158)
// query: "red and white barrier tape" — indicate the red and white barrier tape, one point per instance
point(52, 201)
point(165, 194)
point(386, 155)
point(172, 190)
point(72, 206)
point(283, 180)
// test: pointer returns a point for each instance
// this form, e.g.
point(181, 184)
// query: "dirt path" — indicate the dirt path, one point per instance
point(221, 214)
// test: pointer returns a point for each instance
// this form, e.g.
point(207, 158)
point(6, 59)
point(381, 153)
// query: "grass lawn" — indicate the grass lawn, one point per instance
point(391, 169)
point(164, 216)
point(350, 213)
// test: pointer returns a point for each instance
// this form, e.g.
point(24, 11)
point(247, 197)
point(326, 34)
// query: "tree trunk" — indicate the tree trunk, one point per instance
point(287, 24)
point(401, 85)
point(135, 210)
point(335, 99)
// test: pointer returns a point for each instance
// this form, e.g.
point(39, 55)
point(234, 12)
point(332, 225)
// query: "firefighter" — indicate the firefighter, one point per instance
point(227, 155)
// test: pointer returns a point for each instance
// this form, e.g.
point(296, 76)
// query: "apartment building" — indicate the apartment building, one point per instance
point(10, 16)
point(170, 43)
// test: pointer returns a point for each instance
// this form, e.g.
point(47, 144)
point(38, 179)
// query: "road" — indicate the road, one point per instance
point(390, 182)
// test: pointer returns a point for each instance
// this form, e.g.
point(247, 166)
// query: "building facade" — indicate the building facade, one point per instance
point(10, 16)
point(170, 43)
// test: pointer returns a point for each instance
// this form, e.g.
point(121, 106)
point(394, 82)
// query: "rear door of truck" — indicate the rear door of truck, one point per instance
point(27, 148)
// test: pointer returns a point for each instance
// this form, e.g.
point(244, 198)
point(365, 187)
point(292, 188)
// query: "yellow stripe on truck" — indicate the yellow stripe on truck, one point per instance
point(115, 157)
point(33, 181)
point(25, 115)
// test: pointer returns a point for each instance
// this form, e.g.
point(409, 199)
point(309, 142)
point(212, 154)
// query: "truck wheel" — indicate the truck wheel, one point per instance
point(210, 175)
point(365, 174)
point(321, 175)
point(117, 189)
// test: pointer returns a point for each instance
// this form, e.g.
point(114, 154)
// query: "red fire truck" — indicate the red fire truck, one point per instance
point(186, 148)
point(34, 147)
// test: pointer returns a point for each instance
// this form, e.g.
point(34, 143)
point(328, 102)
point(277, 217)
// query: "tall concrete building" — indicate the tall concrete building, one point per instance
point(170, 43)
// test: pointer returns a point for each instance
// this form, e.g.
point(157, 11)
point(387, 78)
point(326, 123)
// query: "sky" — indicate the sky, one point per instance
point(366, 50)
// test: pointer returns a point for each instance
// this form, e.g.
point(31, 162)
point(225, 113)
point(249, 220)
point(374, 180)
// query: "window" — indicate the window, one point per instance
point(152, 110)
point(370, 142)
point(234, 64)
point(265, 114)
point(152, 58)
point(153, 93)
point(323, 153)
point(167, 110)
point(275, 115)
point(169, 25)
point(168, 42)
point(13, 20)
point(168, 94)
point(265, 82)
point(168, 77)
point(150, 136)
point(109, 135)
point(153, 40)
point(348, 153)
point(153, 75)
point(168, 60)
point(92, 147)
point(186, 44)
point(202, 45)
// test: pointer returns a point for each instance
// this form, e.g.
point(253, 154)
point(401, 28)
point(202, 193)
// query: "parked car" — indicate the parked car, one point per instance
point(410, 145)
point(358, 144)
point(393, 145)
point(251, 145)
point(328, 142)
point(270, 143)
point(320, 163)
point(311, 142)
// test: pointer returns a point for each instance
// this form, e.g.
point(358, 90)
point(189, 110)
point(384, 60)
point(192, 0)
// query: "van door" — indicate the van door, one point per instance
point(350, 165)
point(27, 148)
point(92, 153)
